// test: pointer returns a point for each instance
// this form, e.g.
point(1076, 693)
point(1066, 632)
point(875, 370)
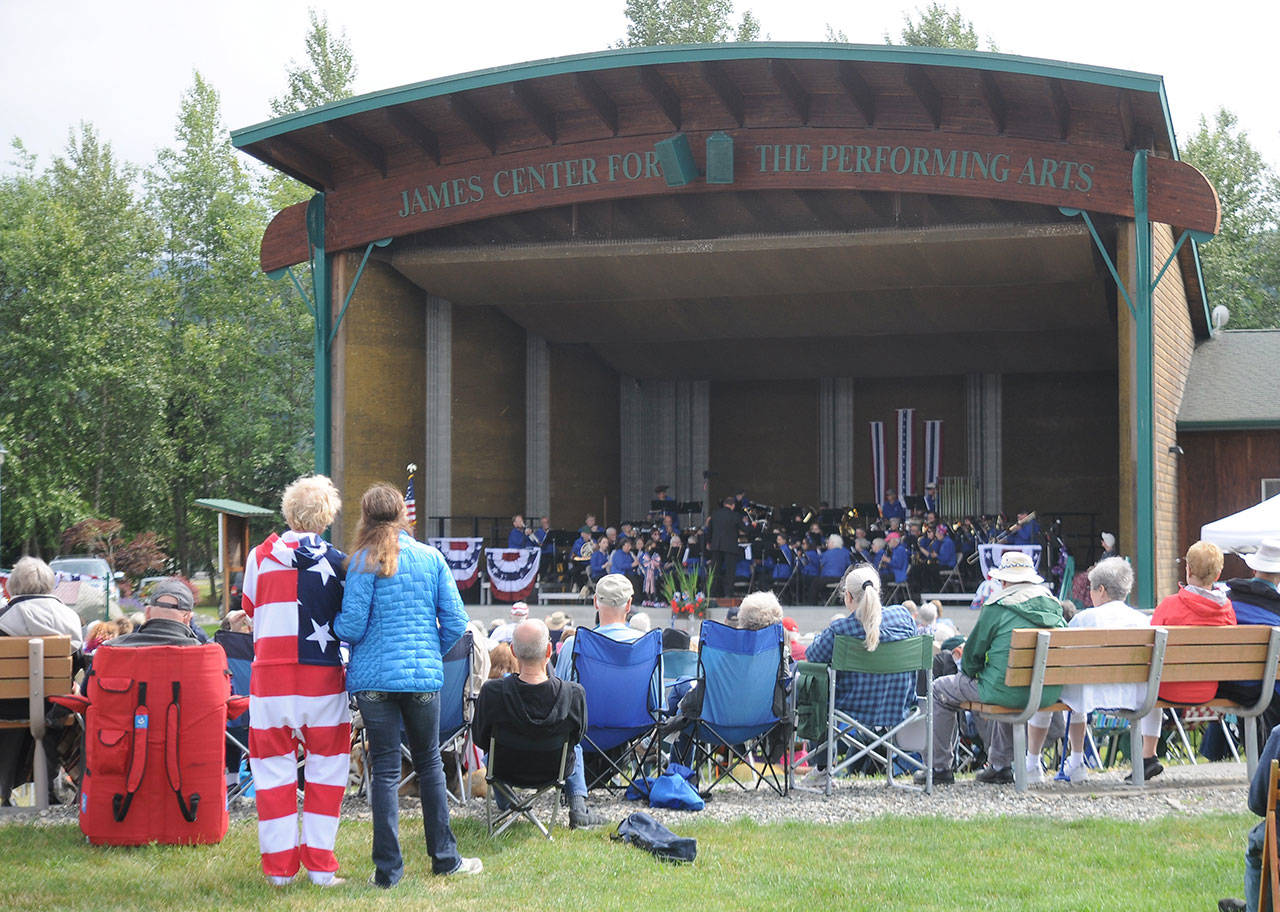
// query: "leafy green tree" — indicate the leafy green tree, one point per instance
point(1242, 264)
point(80, 405)
point(654, 22)
point(939, 26)
point(238, 356)
point(328, 75)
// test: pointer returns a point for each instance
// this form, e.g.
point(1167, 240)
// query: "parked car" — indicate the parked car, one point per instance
point(98, 595)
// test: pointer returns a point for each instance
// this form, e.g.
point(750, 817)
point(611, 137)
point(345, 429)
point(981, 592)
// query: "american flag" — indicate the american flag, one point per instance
point(410, 505)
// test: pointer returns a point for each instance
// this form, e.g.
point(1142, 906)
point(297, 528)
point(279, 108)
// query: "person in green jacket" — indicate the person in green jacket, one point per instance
point(1023, 601)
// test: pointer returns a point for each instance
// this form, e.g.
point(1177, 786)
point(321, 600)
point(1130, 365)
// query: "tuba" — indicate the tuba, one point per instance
point(848, 525)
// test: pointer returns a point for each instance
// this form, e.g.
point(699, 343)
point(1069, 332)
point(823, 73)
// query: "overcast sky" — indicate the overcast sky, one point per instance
point(123, 66)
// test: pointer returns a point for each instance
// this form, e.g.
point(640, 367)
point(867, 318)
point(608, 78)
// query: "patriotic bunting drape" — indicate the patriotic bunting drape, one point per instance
point(989, 555)
point(512, 573)
point(463, 557)
point(932, 452)
point(877, 460)
point(906, 454)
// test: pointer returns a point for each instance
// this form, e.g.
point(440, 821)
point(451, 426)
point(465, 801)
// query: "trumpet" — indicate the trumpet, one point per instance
point(973, 558)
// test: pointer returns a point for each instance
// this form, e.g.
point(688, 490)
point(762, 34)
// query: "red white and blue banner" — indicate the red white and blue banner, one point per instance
point(932, 452)
point(877, 461)
point(411, 502)
point(463, 557)
point(906, 452)
point(989, 555)
point(513, 572)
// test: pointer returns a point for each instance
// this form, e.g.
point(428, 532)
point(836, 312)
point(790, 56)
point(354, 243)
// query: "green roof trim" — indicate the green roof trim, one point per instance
point(234, 507)
point(695, 53)
point(1237, 424)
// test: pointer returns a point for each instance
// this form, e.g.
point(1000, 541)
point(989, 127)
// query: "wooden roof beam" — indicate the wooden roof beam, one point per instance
point(475, 122)
point(302, 159)
point(542, 116)
point(415, 131)
point(729, 94)
point(267, 154)
point(926, 93)
point(599, 101)
point(1061, 107)
point(993, 98)
point(662, 94)
point(785, 79)
point(360, 146)
point(861, 94)
point(816, 202)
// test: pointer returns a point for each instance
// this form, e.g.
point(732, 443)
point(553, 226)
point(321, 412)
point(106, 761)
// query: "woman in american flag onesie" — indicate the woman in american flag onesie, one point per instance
point(297, 691)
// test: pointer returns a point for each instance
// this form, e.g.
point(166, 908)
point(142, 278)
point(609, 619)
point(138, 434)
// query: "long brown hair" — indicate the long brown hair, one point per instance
point(382, 519)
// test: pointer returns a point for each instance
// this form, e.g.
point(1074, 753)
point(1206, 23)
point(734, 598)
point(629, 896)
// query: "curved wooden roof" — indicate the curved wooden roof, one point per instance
point(371, 153)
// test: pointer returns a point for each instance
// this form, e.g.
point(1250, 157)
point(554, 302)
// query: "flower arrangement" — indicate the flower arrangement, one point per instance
point(680, 591)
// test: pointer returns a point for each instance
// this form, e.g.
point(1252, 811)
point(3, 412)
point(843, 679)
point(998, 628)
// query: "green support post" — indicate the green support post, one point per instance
point(1141, 308)
point(323, 398)
point(1144, 392)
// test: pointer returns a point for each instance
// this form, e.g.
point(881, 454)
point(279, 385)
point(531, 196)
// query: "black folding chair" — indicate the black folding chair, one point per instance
point(536, 766)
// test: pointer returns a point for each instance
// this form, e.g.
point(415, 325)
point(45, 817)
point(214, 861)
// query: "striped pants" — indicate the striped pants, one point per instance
point(291, 707)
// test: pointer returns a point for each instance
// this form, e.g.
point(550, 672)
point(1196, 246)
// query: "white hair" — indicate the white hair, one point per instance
point(758, 610)
point(31, 576)
point(862, 593)
point(640, 621)
point(927, 614)
point(835, 541)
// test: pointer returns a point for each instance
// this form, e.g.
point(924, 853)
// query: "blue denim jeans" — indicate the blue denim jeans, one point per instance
point(1253, 866)
point(418, 714)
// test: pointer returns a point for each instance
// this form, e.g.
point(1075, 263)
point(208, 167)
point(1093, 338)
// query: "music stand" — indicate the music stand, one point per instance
point(914, 502)
point(690, 506)
point(867, 512)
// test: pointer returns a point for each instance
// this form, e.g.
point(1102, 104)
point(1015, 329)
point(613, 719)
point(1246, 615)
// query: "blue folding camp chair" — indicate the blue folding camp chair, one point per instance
point(623, 682)
point(743, 675)
point(455, 729)
point(239, 649)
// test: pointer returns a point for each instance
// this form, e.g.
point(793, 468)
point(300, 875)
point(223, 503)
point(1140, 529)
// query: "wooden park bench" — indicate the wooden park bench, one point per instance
point(34, 668)
point(1040, 658)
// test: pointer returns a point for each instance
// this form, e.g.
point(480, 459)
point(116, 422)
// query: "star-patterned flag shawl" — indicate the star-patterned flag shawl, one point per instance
point(293, 622)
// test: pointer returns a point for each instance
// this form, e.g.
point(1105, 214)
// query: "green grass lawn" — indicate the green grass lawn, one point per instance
point(890, 863)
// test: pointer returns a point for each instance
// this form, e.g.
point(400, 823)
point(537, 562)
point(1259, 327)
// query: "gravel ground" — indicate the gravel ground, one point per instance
point(1205, 788)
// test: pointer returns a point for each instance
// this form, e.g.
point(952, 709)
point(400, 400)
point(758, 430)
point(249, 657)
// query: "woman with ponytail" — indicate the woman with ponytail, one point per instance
point(872, 699)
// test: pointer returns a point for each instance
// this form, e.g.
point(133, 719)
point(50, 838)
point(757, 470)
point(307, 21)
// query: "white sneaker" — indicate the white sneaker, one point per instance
point(1075, 769)
point(468, 866)
point(1035, 772)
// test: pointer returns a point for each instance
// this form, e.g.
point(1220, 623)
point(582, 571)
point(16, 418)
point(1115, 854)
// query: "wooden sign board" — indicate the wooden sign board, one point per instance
point(421, 196)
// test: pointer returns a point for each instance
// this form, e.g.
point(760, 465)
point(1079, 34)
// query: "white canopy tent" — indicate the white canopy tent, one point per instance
point(1242, 532)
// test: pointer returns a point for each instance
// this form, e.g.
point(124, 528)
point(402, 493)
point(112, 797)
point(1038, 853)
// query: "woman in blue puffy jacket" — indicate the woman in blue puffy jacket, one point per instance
point(401, 612)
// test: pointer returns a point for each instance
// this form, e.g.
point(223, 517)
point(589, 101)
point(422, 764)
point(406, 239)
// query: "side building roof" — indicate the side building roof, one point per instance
point(1233, 381)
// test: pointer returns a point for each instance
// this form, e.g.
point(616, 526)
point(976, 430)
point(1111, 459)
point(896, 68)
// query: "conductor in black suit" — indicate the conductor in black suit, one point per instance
point(722, 542)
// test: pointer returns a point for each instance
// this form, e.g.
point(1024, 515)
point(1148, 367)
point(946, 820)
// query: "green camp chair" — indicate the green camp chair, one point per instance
point(817, 681)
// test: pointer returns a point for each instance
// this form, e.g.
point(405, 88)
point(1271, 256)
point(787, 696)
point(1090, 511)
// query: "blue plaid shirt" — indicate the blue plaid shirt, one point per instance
point(872, 699)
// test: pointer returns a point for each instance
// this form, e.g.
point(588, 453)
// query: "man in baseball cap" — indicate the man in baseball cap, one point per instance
point(613, 600)
point(168, 611)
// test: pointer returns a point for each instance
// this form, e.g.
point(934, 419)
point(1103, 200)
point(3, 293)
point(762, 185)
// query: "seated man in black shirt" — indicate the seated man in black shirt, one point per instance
point(532, 705)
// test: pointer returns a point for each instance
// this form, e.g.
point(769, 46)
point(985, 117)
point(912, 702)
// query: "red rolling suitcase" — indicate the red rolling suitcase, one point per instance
point(155, 721)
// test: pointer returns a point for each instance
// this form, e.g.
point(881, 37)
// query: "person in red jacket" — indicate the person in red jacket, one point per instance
point(1197, 604)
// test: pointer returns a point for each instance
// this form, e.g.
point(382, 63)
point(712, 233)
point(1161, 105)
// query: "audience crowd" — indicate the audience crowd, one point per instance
point(396, 609)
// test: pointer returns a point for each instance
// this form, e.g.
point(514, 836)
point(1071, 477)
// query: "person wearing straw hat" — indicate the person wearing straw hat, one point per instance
point(556, 623)
point(1022, 602)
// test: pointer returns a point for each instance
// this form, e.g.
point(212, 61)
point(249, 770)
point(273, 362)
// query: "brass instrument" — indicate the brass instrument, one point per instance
point(848, 525)
point(973, 558)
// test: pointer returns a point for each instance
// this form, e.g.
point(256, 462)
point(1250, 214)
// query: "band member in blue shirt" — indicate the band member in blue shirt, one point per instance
point(892, 506)
point(519, 536)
